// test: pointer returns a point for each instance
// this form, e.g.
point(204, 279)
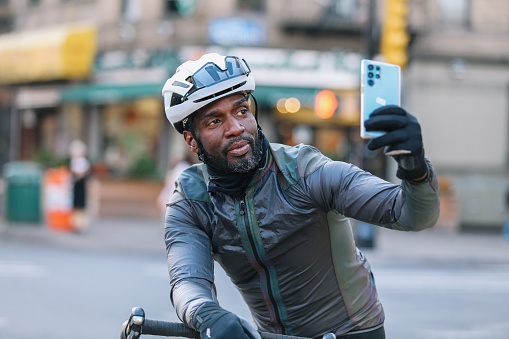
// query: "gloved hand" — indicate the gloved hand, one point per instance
point(403, 140)
point(214, 322)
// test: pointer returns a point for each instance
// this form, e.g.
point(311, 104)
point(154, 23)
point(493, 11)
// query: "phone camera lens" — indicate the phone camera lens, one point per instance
point(377, 76)
point(371, 82)
point(377, 68)
point(370, 75)
point(370, 67)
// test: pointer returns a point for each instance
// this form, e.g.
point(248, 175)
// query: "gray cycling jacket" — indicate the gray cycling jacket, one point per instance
point(287, 245)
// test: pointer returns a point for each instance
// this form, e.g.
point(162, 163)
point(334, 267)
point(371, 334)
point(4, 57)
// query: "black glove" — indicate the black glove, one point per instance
point(214, 322)
point(403, 140)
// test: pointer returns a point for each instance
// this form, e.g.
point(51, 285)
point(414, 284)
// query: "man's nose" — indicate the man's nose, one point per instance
point(234, 127)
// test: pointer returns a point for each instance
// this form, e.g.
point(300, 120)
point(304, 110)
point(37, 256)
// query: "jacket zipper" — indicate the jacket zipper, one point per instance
point(251, 240)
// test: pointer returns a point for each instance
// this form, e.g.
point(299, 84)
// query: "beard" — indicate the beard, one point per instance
point(247, 164)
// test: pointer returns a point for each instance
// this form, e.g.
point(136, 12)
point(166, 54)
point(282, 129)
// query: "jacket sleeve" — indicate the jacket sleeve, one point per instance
point(355, 193)
point(189, 257)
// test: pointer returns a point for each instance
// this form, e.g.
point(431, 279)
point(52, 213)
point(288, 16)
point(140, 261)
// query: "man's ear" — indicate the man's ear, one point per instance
point(191, 143)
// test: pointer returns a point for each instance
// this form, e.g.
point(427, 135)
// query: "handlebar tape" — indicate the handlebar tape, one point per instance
point(168, 329)
point(163, 328)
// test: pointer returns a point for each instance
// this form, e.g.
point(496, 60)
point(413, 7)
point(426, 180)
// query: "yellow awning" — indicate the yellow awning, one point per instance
point(47, 54)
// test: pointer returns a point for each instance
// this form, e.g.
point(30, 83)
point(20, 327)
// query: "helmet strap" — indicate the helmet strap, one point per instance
point(256, 115)
point(190, 127)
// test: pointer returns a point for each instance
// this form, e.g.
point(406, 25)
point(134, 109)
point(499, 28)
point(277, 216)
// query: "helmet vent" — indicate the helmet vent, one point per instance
point(176, 99)
point(180, 84)
point(220, 92)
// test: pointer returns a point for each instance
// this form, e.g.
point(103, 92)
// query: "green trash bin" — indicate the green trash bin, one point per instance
point(22, 191)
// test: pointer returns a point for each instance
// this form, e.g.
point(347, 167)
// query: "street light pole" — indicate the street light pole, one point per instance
point(372, 31)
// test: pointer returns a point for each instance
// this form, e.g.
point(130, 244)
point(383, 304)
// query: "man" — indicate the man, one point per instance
point(275, 216)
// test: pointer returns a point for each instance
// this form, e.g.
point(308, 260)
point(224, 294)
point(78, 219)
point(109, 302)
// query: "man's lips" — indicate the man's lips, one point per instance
point(239, 148)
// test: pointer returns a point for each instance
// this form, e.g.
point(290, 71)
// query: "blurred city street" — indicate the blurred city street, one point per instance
point(433, 284)
point(85, 132)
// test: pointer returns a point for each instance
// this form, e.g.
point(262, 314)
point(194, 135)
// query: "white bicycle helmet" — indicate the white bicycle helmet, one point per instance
point(198, 83)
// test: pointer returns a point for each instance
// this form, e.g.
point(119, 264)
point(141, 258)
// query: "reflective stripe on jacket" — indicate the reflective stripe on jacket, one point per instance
point(287, 245)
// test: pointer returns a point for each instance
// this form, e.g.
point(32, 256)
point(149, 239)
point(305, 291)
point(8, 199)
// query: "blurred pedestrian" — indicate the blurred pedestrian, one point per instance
point(179, 165)
point(80, 170)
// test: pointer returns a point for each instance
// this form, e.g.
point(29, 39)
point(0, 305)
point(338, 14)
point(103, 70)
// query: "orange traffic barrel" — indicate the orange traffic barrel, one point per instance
point(58, 199)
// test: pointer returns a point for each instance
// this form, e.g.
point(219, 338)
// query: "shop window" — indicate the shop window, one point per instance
point(454, 13)
point(251, 5)
point(131, 134)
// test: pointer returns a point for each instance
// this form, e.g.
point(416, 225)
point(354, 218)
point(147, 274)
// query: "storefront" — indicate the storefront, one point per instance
point(125, 126)
point(127, 132)
point(34, 68)
point(42, 128)
point(118, 109)
point(128, 142)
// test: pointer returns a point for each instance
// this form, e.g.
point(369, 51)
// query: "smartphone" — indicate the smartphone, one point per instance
point(380, 86)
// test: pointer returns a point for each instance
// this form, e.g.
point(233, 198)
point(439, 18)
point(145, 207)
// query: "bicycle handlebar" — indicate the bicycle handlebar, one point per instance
point(138, 325)
point(168, 329)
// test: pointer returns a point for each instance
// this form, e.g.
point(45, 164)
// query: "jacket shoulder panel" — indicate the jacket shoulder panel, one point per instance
point(297, 162)
point(192, 183)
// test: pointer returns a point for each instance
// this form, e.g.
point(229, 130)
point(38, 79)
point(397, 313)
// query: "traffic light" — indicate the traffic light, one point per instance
point(395, 37)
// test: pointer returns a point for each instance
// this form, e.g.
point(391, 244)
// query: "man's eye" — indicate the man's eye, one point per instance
point(242, 111)
point(213, 122)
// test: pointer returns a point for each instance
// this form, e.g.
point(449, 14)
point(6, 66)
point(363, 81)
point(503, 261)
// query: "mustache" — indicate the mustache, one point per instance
point(247, 138)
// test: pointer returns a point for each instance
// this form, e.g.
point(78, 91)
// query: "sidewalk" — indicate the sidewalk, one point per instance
point(125, 235)
point(146, 236)
point(437, 246)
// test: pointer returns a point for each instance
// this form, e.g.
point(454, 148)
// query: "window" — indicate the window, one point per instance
point(180, 7)
point(454, 13)
point(346, 8)
point(251, 5)
point(6, 16)
point(170, 7)
point(131, 10)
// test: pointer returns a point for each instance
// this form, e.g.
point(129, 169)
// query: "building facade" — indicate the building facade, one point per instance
point(457, 82)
